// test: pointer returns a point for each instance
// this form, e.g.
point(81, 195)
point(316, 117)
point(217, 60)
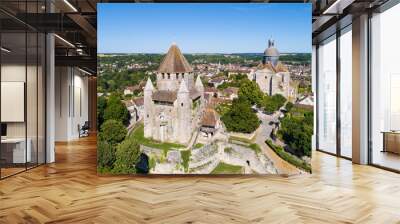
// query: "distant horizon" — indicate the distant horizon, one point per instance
point(214, 28)
point(204, 53)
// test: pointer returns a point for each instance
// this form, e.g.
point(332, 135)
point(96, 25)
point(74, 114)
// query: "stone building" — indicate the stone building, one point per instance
point(173, 108)
point(272, 76)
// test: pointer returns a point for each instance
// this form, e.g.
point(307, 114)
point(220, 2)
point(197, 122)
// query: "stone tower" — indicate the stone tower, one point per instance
point(148, 108)
point(173, 107)
point(184, 113)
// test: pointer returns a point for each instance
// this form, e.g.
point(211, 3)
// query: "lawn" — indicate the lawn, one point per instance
point(138, 135)
point(224, 168)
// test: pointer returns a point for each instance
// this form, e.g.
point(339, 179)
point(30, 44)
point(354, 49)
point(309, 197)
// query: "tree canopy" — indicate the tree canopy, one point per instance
point(127, 155)
point(116, 110)
point(296, 130)
point(251, 92)
point(112, 132)
point(240, 117)
point(273, 103)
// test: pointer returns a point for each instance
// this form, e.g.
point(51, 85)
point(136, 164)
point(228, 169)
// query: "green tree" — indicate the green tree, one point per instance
point(273, 103)
point(240, 117)
point(127, 155)
point(251, 92)
point(112, 132)
point(116, 110)
point(105, 154)
point(297, 133)
point(101, 106)
point(289, 106)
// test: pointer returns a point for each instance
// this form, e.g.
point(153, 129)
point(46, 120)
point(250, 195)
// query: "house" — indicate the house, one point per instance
point(216, 81)
point(130, 90)
point(229, 93)
point(209, 123)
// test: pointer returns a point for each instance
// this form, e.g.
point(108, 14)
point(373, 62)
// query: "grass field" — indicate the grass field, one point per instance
point(138, 135)
point(224, 168)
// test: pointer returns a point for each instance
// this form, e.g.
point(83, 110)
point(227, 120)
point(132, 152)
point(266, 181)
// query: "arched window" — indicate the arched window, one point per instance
point(181, 104)
point(183, 75)
point(169, 75)
point(177, 75)
point(163, 75)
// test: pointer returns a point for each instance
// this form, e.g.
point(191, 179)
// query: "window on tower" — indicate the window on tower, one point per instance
point(169, 75)
point(183, 75)
point(163, 75)
point(177, 75)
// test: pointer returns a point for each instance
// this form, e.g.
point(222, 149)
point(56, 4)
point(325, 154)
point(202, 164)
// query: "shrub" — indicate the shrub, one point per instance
point(152, 163)
point(288, 157)
point(289, 106)
point(185, 159)
point(112, 132)
point(228, 150)
point(127, 155)
point(105, 154)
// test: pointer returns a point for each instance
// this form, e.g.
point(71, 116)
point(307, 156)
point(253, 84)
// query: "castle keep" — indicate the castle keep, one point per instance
point(172, 109)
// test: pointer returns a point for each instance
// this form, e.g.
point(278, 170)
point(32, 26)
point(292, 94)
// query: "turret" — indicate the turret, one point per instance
point(199, 84)
point(184, 112)
point(148, 108)
point(200, 87)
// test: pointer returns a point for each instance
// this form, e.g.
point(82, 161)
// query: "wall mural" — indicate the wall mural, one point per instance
point(204, 89)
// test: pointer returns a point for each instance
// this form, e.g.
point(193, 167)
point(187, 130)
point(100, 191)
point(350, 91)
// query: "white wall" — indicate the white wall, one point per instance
point(71, 102)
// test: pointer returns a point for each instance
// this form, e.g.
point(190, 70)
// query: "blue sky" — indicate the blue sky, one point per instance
point(203, 28)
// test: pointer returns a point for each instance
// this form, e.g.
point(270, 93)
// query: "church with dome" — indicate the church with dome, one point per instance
point(173, 107)
point(272, 76)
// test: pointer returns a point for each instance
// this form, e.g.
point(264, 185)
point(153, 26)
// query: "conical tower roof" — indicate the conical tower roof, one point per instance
point(174, 62)
point(199, 83)
point(149, 85)
point(183, 88)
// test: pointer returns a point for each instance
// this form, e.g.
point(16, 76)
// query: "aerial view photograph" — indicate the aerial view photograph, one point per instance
point(204, 89)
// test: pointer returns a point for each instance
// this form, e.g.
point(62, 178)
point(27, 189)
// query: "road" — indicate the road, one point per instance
point(264, 132)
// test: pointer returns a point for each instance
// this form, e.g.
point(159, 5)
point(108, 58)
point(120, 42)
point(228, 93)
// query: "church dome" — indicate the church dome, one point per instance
point(271, 51)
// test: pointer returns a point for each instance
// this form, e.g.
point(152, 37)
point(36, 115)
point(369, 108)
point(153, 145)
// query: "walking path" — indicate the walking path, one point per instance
point(281, 165)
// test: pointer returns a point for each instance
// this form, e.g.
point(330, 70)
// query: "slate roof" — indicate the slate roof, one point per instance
point(164, 96)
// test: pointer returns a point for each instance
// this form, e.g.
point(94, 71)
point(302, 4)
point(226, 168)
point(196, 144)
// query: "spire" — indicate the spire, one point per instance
point(149, 85)
point(199, 84)
point(183, 88)
point(271, 43)
point(174, 62)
